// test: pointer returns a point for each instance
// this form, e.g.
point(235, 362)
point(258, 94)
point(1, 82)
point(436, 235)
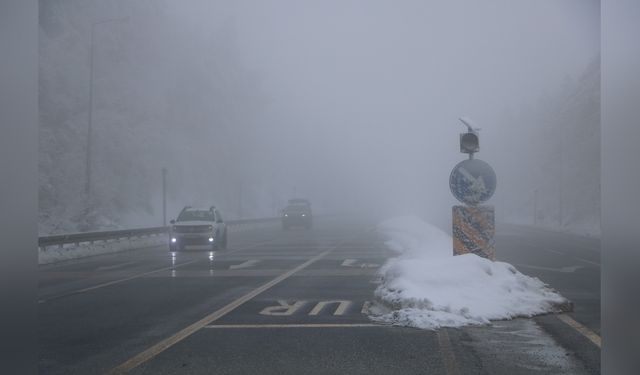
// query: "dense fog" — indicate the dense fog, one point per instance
point(351, 104)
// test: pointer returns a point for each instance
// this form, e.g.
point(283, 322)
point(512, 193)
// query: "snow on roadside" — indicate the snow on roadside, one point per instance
point(54, 254)
point(427, 287)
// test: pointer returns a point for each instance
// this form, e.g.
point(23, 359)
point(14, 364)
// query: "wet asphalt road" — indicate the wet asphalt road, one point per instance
point(292, 302)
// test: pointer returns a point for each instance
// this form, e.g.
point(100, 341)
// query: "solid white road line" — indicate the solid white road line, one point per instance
point(246, 264)
point(588, 261)
point(568, 269)
point(119, 265)
point(567, 255)
point(165, 344)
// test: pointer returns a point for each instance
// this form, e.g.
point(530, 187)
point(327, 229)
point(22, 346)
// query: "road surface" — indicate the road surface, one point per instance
point(294, 302)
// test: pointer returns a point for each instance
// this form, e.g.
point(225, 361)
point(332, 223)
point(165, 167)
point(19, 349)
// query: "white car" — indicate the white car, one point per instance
point(198, 227)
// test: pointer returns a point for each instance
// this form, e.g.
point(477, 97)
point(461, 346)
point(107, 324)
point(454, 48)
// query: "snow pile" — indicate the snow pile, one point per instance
point(427, 287)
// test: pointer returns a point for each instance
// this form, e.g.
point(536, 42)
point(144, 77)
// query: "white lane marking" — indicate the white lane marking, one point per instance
point(78, 291)
point(586, 332)
point(226, 252)
point(567, 255)
point(349, 262)
point(369, 265)
point(165, 344)
point(448, 358)
point(354, 263)
point(588, 261)
point(550, 250)
point(283, 309)
point(340, 310)
point(336, 325)
point(172, 268)
point(247, 264)
point(366, 307)
point(119, 265)
point(568, 269)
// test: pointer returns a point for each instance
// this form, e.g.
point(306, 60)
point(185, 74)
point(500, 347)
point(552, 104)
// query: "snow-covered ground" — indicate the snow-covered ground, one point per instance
point(54, 254)
point(427, 287)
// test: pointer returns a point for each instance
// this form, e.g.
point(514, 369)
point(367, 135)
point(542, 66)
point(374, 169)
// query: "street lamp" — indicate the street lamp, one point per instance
point(469, 142)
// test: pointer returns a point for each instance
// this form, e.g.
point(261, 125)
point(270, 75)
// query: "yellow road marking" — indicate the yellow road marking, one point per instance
point(191, 329)
point(337, 325)
point(448, 358)
point(582, 329)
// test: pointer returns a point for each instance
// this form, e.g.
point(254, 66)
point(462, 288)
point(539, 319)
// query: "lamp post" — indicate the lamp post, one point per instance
point(535, 207)
point(164, 197)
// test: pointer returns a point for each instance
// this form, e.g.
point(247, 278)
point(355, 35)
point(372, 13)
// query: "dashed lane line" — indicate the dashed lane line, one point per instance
point(586, 332)
point(165, 344)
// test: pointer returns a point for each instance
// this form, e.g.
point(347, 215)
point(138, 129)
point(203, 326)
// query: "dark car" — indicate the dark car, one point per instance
point(297, 215)
point(198, 227)
point(300, 201)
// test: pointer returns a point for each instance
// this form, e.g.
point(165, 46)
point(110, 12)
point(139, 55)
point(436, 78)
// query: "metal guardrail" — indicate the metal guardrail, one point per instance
point(90, 237)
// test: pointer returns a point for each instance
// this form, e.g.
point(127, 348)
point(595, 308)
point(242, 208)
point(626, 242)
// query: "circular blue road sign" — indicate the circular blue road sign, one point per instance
point(472, 181)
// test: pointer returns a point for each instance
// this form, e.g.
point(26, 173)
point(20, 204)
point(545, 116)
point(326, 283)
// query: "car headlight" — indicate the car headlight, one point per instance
point(174, 240)
point(304, 215)
point(210, 239)
point(286, 215)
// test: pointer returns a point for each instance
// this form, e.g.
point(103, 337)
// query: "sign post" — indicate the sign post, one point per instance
point(473, 182)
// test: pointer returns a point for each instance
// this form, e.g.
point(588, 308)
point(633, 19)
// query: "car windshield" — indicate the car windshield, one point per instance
point(297, 208)
point(192, 215)
point(299, 201)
